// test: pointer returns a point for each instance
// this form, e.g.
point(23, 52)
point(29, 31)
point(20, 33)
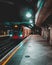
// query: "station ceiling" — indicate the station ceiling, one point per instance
point(13, 10)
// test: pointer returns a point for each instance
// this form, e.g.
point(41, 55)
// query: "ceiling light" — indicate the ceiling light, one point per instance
point(28, 15)
point(31, 21)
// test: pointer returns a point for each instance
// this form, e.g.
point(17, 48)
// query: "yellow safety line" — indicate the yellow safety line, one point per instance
point(4, 63)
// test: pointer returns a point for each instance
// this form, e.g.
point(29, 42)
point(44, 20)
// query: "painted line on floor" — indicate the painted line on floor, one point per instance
point(10, 56)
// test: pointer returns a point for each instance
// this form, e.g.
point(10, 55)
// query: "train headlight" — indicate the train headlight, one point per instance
point(10, 35)
point(21, 35)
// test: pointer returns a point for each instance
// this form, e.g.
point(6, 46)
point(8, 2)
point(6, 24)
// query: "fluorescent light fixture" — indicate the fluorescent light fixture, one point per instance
point(31, 24)
point(31, 21)
point(28, 15)
point(38, 4)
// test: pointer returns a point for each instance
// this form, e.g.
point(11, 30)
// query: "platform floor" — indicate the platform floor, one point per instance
point(35, 51)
